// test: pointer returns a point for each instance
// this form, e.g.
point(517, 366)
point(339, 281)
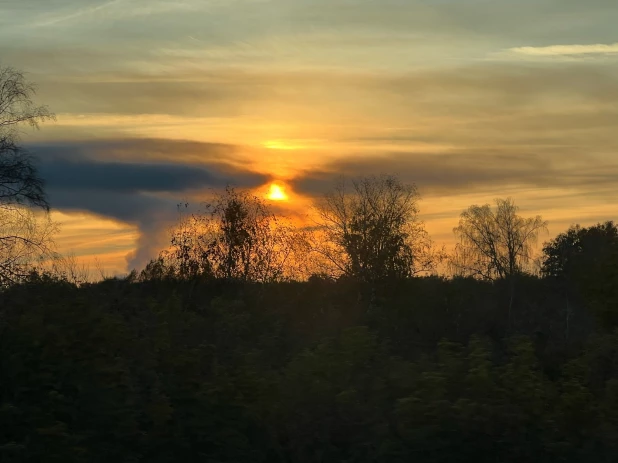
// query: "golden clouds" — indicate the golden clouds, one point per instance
point(95, 240)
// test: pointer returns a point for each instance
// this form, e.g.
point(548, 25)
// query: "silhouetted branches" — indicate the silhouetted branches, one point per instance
point(25, 237)
point(236, 238)
point(370, 230)
point(19, 179)
point(25, 241)
point(496, 243)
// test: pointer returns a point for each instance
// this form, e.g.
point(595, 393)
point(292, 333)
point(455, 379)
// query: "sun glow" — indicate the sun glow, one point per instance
point(277, 193)
point(280, 145)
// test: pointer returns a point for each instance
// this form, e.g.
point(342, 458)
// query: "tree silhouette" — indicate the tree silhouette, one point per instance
point(577, 249)
point(236, 237)
point(371, 231)
point(19, 179)
point(494, 244)
point(584, 263)
point(25, 240)
point(24, 237)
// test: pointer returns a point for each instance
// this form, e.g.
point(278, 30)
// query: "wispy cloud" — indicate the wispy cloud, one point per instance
point(114, 9)
point(61, 18)
point(566, 50)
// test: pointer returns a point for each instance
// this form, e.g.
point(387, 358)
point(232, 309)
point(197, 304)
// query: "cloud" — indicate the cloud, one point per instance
point(69, 172)
point(139, 26)
point(61, 18)
point(114, 10)
point(139, 192)
point(151, 214)
point(131, 178)
point(561, 50)
point(143, 151)
point(467, 172)
point(482, 90)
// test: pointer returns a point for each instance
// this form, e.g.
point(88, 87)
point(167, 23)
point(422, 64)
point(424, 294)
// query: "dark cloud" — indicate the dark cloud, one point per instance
point(152, 215)
point(134, 191)
point(136, 209)
point(134, 178)
point(466, 172)
point(140, 150)
point(126, 178)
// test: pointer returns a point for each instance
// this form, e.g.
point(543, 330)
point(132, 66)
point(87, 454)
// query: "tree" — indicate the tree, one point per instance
point(577, 249)
point(25, 240)
point(372, 231)
point(584, 262)
point(235, 237)
point(19, 179)
point(24, 236)
point(494, 244)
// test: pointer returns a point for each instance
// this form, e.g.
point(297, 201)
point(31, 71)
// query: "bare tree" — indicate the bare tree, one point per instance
point(236, 237)
point(19, 179)
point(25, 242)
point(69, 268)
point(371, 230)
point(495, 244)
point(25, 236)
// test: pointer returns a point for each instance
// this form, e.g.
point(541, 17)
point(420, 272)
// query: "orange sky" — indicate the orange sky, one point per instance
point(159, 102)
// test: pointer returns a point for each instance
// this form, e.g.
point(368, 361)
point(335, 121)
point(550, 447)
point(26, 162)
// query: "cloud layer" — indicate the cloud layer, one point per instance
point(461, 172)
point(80, 177)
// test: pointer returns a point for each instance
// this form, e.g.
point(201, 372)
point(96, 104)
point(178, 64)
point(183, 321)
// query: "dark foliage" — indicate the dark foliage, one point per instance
point(166, 370)
point(583, 264)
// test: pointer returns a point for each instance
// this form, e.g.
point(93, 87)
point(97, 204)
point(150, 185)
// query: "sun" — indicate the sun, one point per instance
point(277, 193)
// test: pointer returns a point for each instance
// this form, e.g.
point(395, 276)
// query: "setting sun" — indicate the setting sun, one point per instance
point(277, 193)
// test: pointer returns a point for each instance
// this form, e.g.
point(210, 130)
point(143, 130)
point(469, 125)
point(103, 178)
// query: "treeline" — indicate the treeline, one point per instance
point(367, 229)
point(429, 370)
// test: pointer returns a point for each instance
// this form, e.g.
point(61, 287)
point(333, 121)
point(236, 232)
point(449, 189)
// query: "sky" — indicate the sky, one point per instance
point(159, 102)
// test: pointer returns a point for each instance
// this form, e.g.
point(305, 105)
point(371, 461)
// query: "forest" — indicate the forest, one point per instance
point(359, 339)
